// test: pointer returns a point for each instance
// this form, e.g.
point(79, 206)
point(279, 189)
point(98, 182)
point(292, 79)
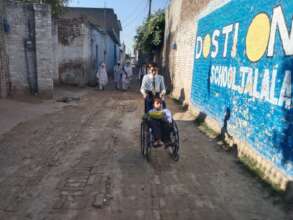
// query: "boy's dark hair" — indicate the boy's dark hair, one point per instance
point(157, 100)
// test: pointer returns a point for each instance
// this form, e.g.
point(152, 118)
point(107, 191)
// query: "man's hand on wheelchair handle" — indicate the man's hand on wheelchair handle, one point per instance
point(162, 96)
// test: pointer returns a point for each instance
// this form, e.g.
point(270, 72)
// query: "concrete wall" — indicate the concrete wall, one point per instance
point(73, 51)
point(32, 23)
point(81, 50)
point(236, 67)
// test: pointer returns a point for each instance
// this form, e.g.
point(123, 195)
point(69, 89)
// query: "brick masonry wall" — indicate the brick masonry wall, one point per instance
point(39, 59)
point(169, 53)
point(44, 50)
point(17, 19)
point(246, 89)
point(179, 41)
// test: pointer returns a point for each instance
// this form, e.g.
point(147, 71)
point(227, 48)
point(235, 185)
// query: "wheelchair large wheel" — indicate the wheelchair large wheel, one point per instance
point(175, 142)
point(142, 138)
point(148, 145)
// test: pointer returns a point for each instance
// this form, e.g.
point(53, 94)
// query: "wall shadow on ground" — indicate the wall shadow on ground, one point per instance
point(277, 197)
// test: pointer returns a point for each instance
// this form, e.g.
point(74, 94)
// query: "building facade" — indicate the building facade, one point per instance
point(38, 50)
point(86, 38)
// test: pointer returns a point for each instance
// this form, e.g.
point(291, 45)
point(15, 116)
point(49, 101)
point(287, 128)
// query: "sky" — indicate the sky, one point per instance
point(131, 13)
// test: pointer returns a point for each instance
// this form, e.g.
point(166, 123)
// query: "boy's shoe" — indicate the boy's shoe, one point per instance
point(168, 144)
point(158, 144)
point(170, 150)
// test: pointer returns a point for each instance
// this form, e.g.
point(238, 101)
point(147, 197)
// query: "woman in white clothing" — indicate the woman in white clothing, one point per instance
point(102, 76)
point(128, 70)
point(124, 80)
point(117, 75)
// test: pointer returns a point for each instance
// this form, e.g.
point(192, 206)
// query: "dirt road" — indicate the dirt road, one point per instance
point(83, 161)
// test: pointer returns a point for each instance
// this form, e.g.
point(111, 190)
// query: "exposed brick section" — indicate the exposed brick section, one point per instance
point(179, 44)
point(68, 30)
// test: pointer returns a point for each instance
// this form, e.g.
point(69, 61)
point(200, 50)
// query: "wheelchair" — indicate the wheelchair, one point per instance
point(147, 140)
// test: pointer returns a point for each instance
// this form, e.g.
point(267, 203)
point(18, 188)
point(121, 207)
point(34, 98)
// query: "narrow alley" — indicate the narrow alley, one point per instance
point(82, 160)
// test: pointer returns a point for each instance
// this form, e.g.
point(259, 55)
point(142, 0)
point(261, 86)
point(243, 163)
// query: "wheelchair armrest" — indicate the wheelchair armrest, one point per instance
point(145, 117)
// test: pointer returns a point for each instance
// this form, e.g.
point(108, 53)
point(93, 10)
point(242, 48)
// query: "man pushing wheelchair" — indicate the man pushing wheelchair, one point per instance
point(153, 86)
point(161, 127)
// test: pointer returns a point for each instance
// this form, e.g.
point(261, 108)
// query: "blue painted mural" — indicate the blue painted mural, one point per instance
point(243, 68)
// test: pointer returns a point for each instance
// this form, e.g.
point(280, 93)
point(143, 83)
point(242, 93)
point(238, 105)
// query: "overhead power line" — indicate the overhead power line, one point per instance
point(129, 16)
point(138, 14)
point(167, 3)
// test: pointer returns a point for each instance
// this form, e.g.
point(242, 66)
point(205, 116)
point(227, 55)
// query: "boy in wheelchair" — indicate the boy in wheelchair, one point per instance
point(160, 121)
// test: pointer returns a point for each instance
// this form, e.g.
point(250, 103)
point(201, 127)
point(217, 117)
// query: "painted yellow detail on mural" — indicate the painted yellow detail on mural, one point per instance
point(206, 45)
point(257, 38)
point(260, 38)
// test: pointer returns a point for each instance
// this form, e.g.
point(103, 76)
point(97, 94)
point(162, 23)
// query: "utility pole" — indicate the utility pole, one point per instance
point(150, 8)
point(105, 32)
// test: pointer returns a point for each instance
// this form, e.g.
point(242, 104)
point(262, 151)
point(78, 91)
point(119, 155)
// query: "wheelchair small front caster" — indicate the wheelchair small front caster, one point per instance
point(175, 157)
point(148, 154)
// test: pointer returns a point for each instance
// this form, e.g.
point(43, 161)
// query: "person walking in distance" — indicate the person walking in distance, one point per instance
point(128, 70)
point(124, 80)
point(117, 75)
point(102, 76)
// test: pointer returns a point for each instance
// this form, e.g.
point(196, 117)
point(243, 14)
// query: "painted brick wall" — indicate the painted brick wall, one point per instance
point(234, 59)
point(110, 58)
point(254, 83)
